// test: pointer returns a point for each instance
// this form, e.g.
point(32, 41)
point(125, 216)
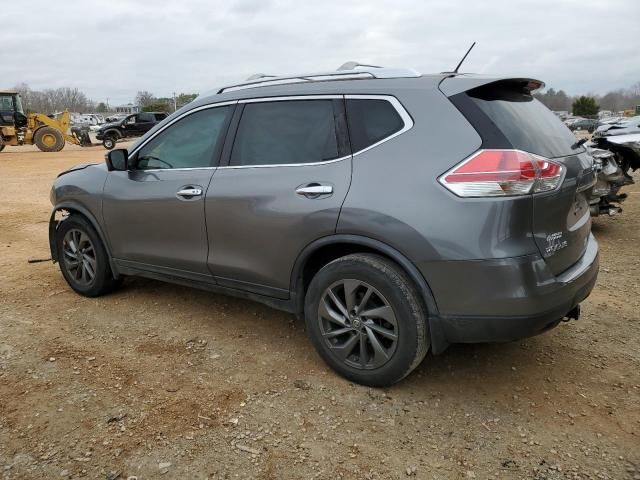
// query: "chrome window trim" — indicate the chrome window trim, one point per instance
point(310, 164)
point(173, 169)
point(404, 115)
point(164, 127)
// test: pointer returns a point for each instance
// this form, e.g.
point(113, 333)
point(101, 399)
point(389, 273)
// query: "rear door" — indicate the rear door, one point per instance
point(508, 116)
point(145, 121)
point(287, 174)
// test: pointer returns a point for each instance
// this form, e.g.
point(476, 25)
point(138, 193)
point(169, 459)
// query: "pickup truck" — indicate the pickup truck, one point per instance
point(134, 125)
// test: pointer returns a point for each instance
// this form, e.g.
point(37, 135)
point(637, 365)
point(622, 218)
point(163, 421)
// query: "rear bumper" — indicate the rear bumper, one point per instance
point(506, 299)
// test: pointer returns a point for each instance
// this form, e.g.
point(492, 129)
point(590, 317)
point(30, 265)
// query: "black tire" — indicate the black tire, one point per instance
point(394, 289)
point(109, 142)
point(102, 281)
point(48, 139)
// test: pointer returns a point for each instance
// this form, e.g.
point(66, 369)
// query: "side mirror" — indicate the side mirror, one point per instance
point(117, 160)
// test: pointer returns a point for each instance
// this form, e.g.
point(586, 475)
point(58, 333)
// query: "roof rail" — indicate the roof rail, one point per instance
point(354, 65)
point(347, 71)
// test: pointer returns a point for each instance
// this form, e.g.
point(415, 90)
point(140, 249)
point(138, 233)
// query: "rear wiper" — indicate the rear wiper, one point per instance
point(579, 143)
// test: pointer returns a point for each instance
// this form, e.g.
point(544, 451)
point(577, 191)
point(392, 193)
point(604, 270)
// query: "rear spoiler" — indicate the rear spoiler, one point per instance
point(458, 83)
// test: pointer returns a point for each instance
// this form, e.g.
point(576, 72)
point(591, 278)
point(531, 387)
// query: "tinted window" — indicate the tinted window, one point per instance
point(285, 132)
point(188, 143)
point(371, 121)
point(526, 123)
point(146, 117)
point(160, 116)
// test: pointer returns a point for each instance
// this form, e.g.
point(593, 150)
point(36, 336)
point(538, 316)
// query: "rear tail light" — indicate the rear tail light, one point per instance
point(499, 173)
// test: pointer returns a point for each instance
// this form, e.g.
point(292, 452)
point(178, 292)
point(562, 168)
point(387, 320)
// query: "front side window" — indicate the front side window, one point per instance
point(6, 103)
point(370, 121)
point(189, 143)
point(286, 132)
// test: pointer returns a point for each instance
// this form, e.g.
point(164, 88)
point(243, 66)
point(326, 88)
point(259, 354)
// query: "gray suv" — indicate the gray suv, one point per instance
point(396, 212)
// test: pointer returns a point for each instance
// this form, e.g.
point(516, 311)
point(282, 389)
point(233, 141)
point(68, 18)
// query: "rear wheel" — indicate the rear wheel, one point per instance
point(109, 142)
point(48, 139)
point(83, 259)
point(366, 319)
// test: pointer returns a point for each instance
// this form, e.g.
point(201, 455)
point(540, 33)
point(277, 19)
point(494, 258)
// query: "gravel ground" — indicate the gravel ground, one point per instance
point(160, 381)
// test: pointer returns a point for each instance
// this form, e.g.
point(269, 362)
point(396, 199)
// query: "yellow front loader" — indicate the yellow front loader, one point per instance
point(48, 134)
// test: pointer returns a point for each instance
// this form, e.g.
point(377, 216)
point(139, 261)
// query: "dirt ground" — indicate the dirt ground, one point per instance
point(159, 381)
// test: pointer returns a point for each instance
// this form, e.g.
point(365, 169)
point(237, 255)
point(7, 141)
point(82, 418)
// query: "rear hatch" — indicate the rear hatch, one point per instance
point(507, 116)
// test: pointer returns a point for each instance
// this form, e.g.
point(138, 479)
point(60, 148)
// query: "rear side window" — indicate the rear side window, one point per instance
point(286, 132)
point(525, 122)
point(370, 121)
point(145, 117)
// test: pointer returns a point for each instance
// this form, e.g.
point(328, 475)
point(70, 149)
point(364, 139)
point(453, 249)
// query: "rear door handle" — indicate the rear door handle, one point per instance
point(189, 192)
point(314, 190)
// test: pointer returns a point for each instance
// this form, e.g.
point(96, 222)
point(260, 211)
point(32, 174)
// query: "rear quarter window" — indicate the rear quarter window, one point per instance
point(370, 121)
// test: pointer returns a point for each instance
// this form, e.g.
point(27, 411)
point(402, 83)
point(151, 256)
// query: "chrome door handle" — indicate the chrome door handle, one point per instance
point(314, 190)
point(189, 192)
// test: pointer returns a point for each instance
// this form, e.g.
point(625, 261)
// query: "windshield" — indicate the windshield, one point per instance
point(19, 104)
point(526, 123)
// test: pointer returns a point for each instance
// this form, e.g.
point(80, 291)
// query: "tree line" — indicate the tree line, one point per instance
point(52, 100)
point(615, 100)
point(150, 103)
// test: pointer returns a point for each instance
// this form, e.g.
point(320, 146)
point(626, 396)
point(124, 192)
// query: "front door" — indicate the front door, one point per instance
point(154, 213)
point(287, 174)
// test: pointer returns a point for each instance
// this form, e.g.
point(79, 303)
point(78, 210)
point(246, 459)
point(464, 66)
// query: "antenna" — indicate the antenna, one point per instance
point(463, 58)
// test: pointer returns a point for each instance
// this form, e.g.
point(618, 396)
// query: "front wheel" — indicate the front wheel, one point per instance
point(366, 319)
point(48, 139)
point(83, 260)
point(109, 142)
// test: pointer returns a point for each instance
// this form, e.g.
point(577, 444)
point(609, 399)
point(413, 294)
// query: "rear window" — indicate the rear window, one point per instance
point(526, 123)
point(370, 121)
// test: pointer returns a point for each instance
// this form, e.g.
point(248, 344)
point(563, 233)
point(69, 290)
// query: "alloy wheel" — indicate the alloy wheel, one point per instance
point(79, 257)
point(358, 324)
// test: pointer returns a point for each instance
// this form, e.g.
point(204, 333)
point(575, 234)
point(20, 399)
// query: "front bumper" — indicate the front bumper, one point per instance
point(506, 299)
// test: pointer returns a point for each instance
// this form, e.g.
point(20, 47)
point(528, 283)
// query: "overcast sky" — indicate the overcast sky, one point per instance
point(113, 48)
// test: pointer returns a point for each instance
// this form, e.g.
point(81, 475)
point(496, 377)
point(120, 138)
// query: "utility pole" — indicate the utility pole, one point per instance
point(175, 105)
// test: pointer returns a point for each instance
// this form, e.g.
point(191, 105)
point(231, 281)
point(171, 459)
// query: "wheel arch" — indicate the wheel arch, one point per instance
point(75, 208)
point(113, 132)
point(321, 251)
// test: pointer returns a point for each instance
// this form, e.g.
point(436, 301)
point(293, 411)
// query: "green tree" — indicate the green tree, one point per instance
point(101, 108)
point(184, 98)
point(585, 107)
point(159, 105)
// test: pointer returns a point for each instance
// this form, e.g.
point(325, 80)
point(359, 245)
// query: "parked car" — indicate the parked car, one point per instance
point(394, 212)
point(116, 117)
point(626, 126)
point(131, 126)
point(584, 124)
